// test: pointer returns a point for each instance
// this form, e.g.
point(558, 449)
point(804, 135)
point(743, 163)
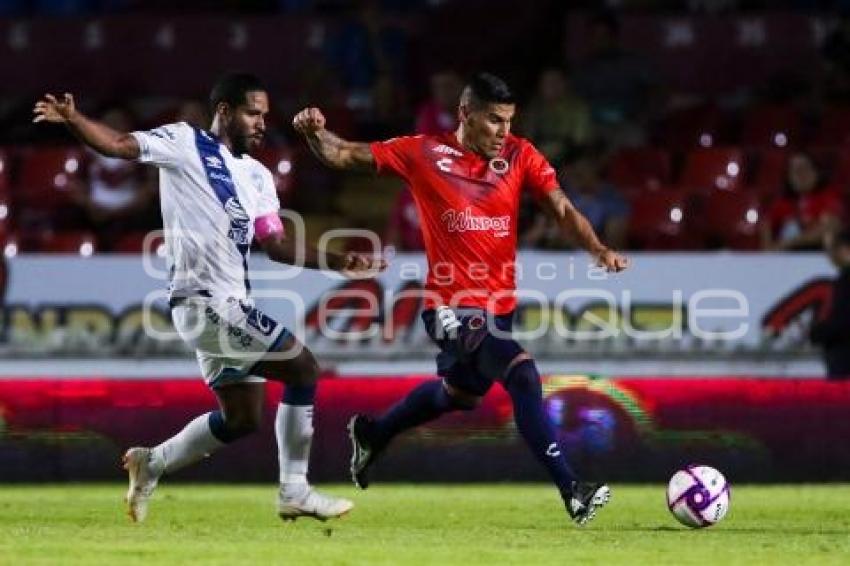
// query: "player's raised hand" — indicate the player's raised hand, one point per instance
point(51, 109)
point(309, 121)
point(612, 261)
point(362, 266)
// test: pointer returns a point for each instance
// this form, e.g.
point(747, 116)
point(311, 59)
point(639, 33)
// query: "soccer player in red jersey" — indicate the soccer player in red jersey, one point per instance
point(467, 185)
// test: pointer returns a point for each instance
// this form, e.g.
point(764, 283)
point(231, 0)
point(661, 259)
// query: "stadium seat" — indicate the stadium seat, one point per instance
point(698, 126)
point(771, 126)
point(657, 221)
point(834, 127)
point(47, 175)
point(841, 169)
point(72, 242)
point(729, 220)
point(640, 168)
point(138, 242)
point(714, 168)
point(280, 161)
point(5, 174)
point(770, 173)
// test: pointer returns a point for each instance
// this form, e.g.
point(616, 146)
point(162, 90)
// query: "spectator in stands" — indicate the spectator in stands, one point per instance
point(833, 332)
point(366, 48)
point(557, 119)
point(438, 114)
point(117, 196)
point(808, 209)
point(598, 200)
point(403, 230)
point(619, 85)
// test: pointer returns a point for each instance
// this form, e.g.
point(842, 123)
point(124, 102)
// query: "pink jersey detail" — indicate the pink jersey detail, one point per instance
point(267, 226)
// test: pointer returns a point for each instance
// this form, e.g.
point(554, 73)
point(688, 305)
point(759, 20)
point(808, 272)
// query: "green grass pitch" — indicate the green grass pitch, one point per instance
point(417, 524)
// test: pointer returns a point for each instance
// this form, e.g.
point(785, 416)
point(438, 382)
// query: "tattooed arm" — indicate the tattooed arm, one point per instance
point(330, 148)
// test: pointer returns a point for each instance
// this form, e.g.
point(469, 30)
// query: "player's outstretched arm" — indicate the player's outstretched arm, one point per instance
point(329, 147)
point(354, 265)
point(578, 229)
point(99, 137)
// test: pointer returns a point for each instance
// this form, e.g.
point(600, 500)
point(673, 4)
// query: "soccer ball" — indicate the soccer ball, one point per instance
point(698, 496)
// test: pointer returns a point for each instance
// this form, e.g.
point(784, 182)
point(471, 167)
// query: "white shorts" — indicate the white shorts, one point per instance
point(229, 336)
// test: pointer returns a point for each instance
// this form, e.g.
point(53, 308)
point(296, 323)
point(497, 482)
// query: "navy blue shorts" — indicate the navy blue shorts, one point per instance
point(473, 359)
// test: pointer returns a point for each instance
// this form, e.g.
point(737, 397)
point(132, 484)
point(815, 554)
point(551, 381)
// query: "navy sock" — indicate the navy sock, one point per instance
point(299, 394)
point(220, 430)
point(425, 403)
point(523, 385)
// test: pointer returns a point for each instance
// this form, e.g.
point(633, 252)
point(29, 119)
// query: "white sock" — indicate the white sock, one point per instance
point(194, 442)
point(293, 428)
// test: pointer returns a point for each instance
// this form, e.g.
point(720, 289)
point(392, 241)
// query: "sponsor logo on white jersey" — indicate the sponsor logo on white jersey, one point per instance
point(213, 162)
point(465, 221)
point(446, 150)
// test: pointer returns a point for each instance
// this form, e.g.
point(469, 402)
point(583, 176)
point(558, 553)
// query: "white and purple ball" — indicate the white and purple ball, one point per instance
point(698, 496)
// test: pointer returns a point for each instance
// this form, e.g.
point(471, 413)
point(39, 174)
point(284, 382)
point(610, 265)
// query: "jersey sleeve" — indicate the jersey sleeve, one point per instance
point(163, 146)
point(269, 203)
point(540, 177)
point(395, 155)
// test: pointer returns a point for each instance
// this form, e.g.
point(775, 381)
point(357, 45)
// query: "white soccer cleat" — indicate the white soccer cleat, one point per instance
point(312, 504)
point(142, 482)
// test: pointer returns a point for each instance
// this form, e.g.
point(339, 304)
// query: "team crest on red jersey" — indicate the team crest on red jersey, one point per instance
point(499, 165)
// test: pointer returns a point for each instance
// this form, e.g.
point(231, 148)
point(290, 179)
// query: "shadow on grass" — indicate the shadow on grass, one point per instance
point(732, 530)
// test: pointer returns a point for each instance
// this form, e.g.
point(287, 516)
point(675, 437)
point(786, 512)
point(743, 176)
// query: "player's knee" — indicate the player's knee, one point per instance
point(462, 400)
point(243, 424)
point(305, 370)
point(522, 373)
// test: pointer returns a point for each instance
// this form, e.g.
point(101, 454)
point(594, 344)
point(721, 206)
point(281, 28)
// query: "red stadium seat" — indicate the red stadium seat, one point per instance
point(714, 168)
point(771, 126)
point(771, 172)
point(841, 169)
point(640, 168)
point(72, 242)
point(138, 242)
point(834, 127)
point(730, 220)
point(5, 174)
point(657, 221)
point(47, 175)
point(280, 161)
point(699, 126)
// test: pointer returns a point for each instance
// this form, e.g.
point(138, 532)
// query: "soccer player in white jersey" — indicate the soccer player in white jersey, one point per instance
point(215, 200)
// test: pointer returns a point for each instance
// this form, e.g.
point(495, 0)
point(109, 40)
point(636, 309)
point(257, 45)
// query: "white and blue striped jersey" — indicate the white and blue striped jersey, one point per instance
point(209, 200)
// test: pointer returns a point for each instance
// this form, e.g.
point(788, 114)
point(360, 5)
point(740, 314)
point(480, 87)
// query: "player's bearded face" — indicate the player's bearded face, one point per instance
point(486, 128)
point(247, 126)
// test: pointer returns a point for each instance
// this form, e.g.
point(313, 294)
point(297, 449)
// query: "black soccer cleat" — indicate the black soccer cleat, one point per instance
point(363, 452)
point(585, 499)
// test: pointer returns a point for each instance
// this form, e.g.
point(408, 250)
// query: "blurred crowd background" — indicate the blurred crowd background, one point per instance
point(674, 125)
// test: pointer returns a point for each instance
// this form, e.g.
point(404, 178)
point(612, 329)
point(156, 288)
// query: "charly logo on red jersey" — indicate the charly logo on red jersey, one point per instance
point(465, 221)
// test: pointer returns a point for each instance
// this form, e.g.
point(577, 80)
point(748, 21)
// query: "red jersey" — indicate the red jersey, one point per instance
point(468, 207)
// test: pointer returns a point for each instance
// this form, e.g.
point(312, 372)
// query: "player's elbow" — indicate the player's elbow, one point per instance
point(124, 146)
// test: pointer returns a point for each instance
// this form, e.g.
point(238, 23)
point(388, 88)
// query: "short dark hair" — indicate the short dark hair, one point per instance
point(232, 89)
point(487, 88)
